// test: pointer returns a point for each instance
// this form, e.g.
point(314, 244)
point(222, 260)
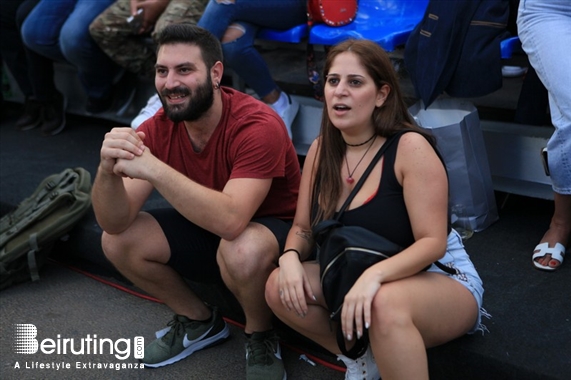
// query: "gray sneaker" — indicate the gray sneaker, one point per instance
point(182, 337)
point(264, 358)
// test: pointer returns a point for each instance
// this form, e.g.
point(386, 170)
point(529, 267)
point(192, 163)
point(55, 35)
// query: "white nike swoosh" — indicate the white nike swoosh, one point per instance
point(278, 352)
point(186, 342)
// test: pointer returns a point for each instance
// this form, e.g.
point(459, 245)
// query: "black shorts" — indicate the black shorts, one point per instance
point(193, 249)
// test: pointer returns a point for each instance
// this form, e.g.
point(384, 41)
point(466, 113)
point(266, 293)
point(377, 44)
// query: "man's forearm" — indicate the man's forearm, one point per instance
point(110, 202)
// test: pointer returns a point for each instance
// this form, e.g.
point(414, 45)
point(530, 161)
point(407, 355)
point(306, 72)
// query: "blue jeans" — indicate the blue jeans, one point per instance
point(544, 28)
point(59, 30)
point(241, 55)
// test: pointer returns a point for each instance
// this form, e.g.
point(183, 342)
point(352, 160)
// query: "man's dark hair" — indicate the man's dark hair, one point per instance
point(193, 35)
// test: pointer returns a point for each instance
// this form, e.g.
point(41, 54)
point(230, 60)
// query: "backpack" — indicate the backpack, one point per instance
point(28, 233)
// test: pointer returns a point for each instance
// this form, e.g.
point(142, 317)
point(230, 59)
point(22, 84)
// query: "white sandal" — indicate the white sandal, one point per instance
point(557, 253)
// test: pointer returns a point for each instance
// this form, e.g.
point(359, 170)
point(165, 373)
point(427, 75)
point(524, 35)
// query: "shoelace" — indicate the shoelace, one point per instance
point(176, 328)
point(356, 369)
point(261, 351)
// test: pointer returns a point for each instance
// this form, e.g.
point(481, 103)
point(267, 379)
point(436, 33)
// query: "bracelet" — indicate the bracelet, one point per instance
point(293, 250)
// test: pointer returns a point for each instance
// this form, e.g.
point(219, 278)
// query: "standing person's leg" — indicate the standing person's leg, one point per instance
point(96, 70)
point(39, 67)
point(41, 29)
point(49, 102)
point(11, 45)
point(538, 23)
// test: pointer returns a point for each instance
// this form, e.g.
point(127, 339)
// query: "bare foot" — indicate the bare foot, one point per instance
point(553, 236)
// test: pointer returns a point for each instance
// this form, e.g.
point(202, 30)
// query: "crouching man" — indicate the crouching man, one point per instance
point(224, 162)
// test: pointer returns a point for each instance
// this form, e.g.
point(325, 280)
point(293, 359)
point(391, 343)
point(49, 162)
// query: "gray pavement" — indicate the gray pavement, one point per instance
point(72, 305)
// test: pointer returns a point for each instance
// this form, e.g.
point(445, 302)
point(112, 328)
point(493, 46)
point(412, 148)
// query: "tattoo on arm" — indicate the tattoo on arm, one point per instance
point(304, 234)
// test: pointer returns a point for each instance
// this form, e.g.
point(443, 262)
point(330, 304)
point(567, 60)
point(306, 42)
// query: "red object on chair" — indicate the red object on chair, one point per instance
point(332, 12)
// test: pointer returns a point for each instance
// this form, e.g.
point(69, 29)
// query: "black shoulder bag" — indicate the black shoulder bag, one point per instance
point(345, 252)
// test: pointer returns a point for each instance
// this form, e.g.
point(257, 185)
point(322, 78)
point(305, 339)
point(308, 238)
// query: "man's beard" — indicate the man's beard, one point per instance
point(200, 101)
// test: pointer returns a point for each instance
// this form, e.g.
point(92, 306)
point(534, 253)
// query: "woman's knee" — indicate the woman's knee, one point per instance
point(388, 310)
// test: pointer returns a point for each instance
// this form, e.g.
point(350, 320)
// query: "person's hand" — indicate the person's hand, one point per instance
point(152, 9)
point(293, 284)
point(139, 167)
point(120, 143)
point(356, 311)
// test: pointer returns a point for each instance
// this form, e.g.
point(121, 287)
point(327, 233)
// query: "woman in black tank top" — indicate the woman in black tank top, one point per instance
point(405, 198)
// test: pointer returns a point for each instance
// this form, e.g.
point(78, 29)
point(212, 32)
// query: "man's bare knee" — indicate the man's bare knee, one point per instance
point(113, 247)
point(243, 261)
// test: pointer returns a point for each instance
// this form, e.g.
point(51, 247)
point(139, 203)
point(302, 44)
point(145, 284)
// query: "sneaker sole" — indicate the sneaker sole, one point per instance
point(206, 343)
point(57, 130)
point(30, 126)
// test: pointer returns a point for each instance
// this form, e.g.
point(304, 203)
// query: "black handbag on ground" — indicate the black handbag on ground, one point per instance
point(345, 252)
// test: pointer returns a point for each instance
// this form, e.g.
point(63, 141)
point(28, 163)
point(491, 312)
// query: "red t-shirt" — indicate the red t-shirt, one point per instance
point(249, 142)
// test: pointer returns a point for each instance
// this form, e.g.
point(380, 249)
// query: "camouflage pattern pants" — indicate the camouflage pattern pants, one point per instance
point(137, 52)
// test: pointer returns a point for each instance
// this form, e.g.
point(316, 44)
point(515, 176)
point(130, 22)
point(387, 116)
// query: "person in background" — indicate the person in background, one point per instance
point(403, 308)
point(12, 51)
point(59, 30)
point(544, 27)
point(236, 24)
point(224, 162)
point(127, 32)
point(44, 105)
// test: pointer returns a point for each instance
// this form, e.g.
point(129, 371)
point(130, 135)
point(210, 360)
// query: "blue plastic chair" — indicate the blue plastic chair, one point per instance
point(386, 22)
point(293, 35)
point(510, 46)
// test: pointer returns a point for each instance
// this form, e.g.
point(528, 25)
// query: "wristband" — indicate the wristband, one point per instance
point(293, 250)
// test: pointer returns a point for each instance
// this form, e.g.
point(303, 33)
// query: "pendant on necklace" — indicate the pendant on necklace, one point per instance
point(350, 180)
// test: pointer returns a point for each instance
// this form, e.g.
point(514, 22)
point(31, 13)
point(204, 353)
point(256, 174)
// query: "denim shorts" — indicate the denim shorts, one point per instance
point(457, 258)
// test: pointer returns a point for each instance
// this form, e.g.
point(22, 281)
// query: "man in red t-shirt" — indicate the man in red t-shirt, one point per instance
point(225, 163)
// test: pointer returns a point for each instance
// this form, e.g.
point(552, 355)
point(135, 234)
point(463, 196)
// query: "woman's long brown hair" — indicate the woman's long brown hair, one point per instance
point(391, 117)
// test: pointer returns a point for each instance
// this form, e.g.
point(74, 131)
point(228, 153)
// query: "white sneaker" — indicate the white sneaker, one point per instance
point(513, 71)
point(363, 368)
point(153, 105)
point(288, 113)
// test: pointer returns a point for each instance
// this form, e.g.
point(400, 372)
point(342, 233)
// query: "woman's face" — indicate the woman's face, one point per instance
point(350, 93)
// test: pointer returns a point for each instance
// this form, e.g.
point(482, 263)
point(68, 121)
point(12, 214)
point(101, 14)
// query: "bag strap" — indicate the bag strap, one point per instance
point(362, 180)
point(367, 172)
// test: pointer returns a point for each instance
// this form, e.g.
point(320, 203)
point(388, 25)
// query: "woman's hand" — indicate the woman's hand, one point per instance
point(356, 311)
point(293, 284)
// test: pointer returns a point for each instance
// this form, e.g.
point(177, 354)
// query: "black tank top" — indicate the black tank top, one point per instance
point(385, 213)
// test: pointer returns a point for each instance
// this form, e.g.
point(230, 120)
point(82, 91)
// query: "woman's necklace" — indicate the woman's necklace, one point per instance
point(350, 178)
point(363, 143)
